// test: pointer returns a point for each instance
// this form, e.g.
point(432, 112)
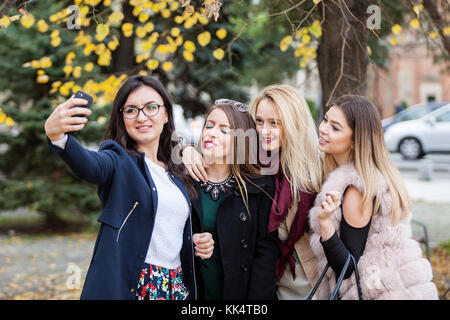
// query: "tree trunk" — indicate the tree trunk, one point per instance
point(124, 54)
point(342, 52)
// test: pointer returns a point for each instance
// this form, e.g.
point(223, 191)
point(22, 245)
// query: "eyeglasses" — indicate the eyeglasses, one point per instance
point(150, 110)
point(242, 107)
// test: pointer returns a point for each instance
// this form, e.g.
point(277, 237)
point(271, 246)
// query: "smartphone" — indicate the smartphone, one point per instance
point(81, 95)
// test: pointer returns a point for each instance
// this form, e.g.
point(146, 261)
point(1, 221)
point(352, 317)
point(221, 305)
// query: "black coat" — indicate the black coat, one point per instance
point(248, 252)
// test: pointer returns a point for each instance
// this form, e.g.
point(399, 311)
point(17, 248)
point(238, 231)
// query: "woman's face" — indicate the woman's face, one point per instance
point(335, 135)
point(145, 130)
point(216, 137)
point(268, 125)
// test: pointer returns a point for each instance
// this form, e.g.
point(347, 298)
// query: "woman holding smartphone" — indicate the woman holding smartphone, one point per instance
point(144, 247)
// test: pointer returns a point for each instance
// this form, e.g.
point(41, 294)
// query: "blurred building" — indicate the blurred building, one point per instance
point(411, 76)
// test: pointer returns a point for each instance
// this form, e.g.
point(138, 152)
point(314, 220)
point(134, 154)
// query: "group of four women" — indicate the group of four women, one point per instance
point(242, 220)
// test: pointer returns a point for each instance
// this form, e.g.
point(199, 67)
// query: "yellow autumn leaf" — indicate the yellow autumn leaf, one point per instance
point(189, 46)
point(127, 29)
point(188, 56)
point(221, 33)
point(146, 46)
point(446, 31)
point(203, 20)
point(315, 29)
point(104, 58)
point(140, 32)
point(396, 29)
point(67, 70)
point(42, 79)
point(64, 90)
point(174, 6)
point(56, 42)
point(112, 45)
point(69, 57)
point(316, 1)
point(149, 27)
point(433, 34)
point(418, 8)
point(27, 20)
point(42, 26)
point(54, 34)
point(167, 66)
point(102, 31)
point(5, 21)
point(137, 10)
point(89, 67)
point(116, 17)
point(285, 42)
point(178, 19)
point(218, 54)
point(2, 117)
point(166, 13)
point(394, 41)
point(204, 38)
point(175, 32)
point(162, 48)
point(45, 62)
point(77, 72)
point(306, 39)
point(9, 122)
point(369, 50)
point(415, 24)
point(179, 40)
point(189, 23)
point(152, 64)
point(35, 64)
point(88, 49)
point(143, 17)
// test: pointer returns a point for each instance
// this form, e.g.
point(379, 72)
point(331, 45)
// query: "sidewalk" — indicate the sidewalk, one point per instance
point(436, 190)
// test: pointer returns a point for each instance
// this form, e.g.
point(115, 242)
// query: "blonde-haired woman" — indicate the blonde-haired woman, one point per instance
point(288, 150)
point(373, 219)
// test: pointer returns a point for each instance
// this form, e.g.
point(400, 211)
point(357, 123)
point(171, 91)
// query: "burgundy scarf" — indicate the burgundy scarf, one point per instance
point(280, 207)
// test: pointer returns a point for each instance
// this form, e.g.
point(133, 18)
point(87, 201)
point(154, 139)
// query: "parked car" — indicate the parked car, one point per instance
point(412, 113)
point(415, 138)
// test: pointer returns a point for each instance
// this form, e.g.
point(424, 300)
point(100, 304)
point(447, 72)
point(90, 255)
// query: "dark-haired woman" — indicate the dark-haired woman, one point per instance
point(144, 246)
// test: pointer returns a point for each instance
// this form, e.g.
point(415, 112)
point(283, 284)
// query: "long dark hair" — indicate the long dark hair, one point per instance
point(117, 132)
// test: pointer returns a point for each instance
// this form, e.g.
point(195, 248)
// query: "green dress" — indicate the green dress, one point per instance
point(211, 269)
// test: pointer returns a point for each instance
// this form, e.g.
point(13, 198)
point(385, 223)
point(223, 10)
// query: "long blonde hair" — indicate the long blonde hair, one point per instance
point(370, 156)
point(300, 157)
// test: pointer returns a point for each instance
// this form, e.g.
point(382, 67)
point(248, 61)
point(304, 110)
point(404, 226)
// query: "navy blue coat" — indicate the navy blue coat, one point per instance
point(129, 200)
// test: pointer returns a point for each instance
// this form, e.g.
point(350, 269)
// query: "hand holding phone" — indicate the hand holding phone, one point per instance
point(81, 95)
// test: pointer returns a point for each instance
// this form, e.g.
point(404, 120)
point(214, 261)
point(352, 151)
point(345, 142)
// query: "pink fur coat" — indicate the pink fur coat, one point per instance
point(392, 266)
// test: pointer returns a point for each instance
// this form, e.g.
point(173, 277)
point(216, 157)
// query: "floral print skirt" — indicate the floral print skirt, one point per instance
point(158, 283)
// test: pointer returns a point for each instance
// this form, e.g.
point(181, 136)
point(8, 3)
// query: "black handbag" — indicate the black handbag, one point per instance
point(339, 280)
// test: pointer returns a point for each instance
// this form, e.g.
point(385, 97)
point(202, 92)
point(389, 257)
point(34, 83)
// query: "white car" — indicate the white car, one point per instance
point(415, 138)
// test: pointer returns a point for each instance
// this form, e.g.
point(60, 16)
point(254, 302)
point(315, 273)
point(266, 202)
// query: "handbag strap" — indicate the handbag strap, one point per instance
point(350, 258)
point(319, 281)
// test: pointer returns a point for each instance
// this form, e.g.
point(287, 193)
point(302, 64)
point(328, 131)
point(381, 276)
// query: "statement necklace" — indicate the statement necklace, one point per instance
point(215, 188)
